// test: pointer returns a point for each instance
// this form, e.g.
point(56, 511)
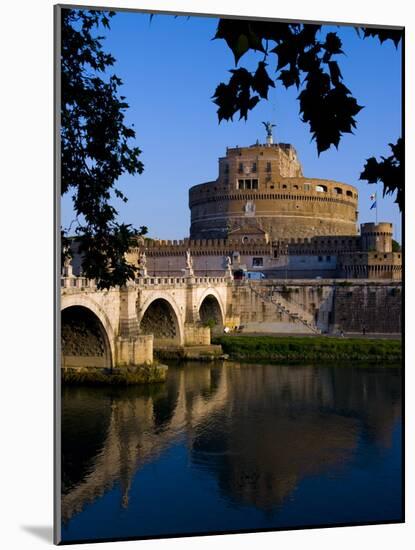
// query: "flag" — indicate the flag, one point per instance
point(373, 206)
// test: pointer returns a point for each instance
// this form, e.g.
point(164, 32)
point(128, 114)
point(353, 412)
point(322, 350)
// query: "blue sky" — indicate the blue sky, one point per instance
point(170, 68)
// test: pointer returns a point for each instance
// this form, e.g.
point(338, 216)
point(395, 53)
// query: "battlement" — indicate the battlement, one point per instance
point(266, 149)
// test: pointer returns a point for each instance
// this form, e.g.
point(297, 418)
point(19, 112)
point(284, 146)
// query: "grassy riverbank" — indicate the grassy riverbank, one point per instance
point(318, 348)
point(125, 376)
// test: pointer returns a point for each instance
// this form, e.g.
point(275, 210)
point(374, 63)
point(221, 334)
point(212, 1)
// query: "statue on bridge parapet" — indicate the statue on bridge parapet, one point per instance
point(142, 264)
point(228, 271)
point(67, 270)
point(189, 271)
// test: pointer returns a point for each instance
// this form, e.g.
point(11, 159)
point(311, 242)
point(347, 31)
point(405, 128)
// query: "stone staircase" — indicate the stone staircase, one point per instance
point(294, 311)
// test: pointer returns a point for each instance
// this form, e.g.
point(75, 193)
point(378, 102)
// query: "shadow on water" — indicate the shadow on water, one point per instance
point(244, 441)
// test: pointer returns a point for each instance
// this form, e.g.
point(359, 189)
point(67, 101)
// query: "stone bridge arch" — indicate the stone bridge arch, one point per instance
point(211, 308)
point(87, 336)
point(160, 315)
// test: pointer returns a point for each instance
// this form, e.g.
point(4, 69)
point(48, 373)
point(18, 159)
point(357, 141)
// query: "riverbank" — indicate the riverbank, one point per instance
point(125, 376)
point(318, 348)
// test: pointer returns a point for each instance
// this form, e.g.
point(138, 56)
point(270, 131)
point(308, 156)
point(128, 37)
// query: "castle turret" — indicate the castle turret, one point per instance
point(376, 237)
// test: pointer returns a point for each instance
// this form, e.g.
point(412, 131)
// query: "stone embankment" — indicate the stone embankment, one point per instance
point(123, 376)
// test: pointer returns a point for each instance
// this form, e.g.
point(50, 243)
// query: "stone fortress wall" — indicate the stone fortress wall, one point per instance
point(264, 184)
point(365, 256)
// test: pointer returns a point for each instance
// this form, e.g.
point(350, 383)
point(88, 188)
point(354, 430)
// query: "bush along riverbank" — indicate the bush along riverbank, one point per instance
point(124, 376)
point(318, 348)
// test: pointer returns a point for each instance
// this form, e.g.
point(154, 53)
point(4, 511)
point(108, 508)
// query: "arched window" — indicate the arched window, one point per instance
point(338, 191)
point(321, 188)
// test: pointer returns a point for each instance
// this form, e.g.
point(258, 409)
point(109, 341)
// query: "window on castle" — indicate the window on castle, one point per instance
point(328, 258)
point(226, 170)
point(321, 188)
point(247, 184)
point(306, 187)
point(254, 167)
point(295, 186)
point(320, 258)
point(241, 167)
point(268, 167)
point(337, 191)
point(349, 193)
point(257, 262)
point(284, 186)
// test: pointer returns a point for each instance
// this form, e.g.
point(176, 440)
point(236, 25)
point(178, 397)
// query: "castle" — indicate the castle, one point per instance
point(262, 214)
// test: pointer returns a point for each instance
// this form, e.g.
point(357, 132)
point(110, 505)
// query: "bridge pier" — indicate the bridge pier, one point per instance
point(131, 348)
point(192, 310)
point(196, 335)
point(134, 351)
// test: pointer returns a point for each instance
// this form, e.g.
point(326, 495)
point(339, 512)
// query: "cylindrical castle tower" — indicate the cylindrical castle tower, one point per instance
point(263, 186)
point(376, 237)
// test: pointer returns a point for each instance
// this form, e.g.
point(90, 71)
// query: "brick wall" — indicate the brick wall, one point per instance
point(378, 308)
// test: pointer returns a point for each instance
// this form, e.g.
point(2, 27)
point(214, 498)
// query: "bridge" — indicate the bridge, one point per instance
point(120, 326)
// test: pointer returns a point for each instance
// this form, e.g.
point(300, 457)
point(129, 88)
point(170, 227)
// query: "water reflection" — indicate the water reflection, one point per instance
point(256, 430)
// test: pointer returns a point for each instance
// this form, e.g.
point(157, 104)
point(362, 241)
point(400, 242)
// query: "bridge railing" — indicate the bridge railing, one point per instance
point(77, 282)
point(177, 281)
point(83, 282)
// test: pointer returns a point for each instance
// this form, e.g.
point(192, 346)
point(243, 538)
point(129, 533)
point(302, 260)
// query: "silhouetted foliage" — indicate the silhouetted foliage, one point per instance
point(382, 34)
point(389, 171)
point(396, 247)
point(96, 149)
point(306, 58)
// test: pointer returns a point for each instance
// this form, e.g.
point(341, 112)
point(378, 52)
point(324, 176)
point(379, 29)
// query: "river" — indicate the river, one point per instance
point(232, 447)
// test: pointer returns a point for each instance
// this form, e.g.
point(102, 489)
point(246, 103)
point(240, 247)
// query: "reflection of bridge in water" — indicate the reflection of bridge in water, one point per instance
point(258, 429)
point(137, 434)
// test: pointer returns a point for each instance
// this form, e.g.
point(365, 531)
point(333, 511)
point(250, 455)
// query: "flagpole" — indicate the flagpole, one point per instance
point(376, 199)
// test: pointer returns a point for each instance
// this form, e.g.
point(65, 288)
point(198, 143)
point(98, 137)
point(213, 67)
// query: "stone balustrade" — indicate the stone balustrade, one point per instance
point(83, 282)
